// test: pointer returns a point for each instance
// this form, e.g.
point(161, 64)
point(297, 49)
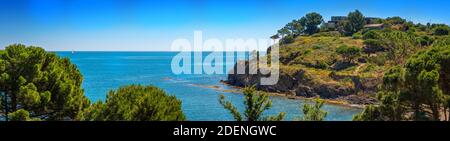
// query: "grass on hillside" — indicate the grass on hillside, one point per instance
point(316, 55)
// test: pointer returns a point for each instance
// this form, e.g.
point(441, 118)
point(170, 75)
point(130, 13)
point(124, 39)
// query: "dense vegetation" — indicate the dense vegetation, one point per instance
point(417, 90)
point(42, 86)
point(135, 103)
point(348, 53)
point(403, 65)
point(354, 23)
point(305, 25)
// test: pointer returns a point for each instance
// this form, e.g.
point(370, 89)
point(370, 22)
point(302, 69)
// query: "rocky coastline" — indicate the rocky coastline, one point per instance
point(299, 85)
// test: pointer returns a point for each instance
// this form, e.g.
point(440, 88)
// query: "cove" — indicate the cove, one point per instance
point(104, 71)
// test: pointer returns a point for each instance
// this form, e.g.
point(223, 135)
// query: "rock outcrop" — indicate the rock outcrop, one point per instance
point(299, 83)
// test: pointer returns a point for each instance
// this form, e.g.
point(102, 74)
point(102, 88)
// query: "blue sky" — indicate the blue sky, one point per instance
point(152, 25)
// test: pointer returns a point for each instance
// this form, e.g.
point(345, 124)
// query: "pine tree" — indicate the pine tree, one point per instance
point(417, 90)
point(135, 103)
point(314, 112)
point(255, 104)
point(40, 83)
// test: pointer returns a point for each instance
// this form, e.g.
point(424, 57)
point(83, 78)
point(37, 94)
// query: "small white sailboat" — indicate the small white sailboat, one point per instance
point(73, 52)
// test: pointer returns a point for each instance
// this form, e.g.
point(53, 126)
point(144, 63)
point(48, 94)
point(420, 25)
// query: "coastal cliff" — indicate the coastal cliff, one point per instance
point(302, 76)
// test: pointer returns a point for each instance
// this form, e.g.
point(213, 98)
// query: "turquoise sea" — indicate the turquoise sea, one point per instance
point(199, 93)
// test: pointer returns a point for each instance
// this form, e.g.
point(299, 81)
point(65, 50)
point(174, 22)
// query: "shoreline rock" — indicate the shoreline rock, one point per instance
point(340, 102)
point(299, 84)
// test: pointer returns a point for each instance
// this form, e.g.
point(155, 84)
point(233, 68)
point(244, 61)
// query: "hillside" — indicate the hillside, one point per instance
point(345, 62)
point(310, 66)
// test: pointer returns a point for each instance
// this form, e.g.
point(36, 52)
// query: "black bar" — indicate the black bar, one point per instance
point(285, 129)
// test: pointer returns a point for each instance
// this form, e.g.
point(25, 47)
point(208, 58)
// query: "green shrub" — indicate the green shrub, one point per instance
point(135, 103)
point(371, 34)
point(372, 46)
point(318, 46)
point(348, 53)
point(441, 30)
point(379, 60)
point(442, 41)
point(425, 40)
point(369, 68)
point(321, 65)
point(327, 34)
point(357, 35)
point(21, 115)
point(308, 51)
point(288, 39)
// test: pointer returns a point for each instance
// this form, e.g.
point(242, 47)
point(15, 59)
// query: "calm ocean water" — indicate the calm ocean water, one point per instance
point(104, 71)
